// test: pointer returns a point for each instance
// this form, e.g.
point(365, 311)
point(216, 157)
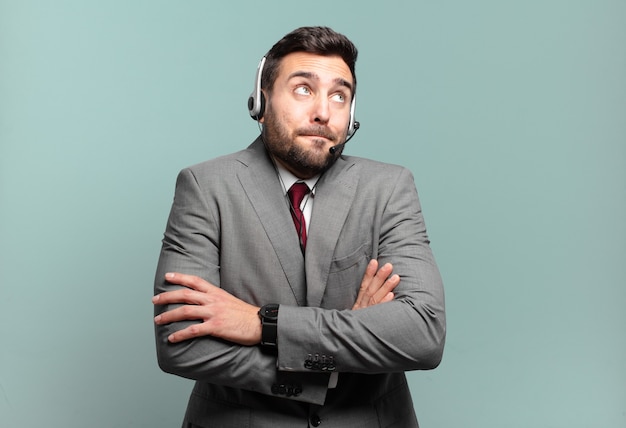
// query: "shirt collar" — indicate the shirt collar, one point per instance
point(288, 179)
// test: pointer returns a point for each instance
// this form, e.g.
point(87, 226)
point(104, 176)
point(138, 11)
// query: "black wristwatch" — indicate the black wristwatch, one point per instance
point(269, 325)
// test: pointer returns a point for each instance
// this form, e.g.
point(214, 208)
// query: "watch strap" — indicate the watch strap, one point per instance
point(269, 326)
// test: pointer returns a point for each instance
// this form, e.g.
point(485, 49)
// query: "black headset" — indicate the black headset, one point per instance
point(256, 102)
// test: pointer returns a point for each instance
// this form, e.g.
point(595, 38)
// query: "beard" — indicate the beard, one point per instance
point(303, 162)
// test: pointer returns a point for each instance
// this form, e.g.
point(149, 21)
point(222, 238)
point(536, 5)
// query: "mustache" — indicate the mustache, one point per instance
point(318, 130)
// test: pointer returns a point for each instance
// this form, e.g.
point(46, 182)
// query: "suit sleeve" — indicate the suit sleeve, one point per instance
point(191, 245)
point(407, 333)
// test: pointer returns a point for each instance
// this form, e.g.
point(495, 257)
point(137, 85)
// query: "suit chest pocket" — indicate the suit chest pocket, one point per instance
point(344, 279)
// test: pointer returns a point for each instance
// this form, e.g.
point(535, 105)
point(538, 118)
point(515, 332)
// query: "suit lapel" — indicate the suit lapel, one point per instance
point(333, 199)
point(262, 187)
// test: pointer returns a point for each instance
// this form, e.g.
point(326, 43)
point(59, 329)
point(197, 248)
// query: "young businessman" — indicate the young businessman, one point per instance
point(296, 285)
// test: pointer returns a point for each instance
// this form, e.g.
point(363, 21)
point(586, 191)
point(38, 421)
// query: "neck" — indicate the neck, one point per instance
point(297, 173)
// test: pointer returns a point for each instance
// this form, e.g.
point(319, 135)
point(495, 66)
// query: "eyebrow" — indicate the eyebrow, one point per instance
point(313, 76)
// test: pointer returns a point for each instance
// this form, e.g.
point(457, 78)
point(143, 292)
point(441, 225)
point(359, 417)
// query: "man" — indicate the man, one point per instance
point(295, 313)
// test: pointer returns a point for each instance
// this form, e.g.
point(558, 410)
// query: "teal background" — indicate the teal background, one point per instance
point(512, 116)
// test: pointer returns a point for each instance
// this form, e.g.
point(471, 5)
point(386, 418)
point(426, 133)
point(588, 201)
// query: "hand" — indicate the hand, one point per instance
point(222, 314)
point(376, 286)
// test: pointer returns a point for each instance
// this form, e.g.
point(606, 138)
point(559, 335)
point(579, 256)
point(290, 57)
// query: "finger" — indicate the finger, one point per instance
point(182, 313)
point(383, 273)
point(194, 330)
point(190, 281)
point(377, 282)
point(370, 272)
point(183, 295)
point(387, 287)
point(375, 289)
point(388, 298)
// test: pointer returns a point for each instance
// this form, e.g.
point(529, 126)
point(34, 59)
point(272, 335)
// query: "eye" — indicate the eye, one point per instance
point(302, 90)
point(339, 98)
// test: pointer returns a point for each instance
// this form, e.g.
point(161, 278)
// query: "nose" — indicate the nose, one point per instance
point(321, 111)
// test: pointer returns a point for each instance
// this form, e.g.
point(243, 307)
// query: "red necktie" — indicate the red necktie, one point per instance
point(296, 194)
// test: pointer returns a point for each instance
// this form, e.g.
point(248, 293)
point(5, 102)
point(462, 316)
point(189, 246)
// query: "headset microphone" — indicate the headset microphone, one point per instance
point(334, 149)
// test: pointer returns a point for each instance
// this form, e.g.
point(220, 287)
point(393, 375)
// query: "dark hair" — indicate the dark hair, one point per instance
point(314, 40)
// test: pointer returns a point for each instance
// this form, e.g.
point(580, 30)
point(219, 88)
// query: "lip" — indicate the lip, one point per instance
point(316, 136)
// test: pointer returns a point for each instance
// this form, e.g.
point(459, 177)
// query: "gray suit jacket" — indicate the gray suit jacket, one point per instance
point(230, 224)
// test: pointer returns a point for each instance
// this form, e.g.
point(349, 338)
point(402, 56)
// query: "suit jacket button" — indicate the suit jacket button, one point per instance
point(315, 421)
point(278, 389)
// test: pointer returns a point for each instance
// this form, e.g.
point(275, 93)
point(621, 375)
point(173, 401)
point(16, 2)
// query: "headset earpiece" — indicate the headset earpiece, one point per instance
point(353, 125)
point(256, 102)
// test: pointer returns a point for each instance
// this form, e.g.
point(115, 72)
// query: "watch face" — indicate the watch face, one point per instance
point(270, 311)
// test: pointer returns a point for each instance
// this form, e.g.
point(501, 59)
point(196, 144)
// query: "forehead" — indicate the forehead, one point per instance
point(326, 68)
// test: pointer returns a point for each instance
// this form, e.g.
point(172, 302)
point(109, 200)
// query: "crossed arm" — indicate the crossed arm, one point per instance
point(205, 333)
point(226, 317)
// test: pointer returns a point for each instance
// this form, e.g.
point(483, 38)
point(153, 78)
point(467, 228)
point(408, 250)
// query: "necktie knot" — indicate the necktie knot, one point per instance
point(296, 194)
